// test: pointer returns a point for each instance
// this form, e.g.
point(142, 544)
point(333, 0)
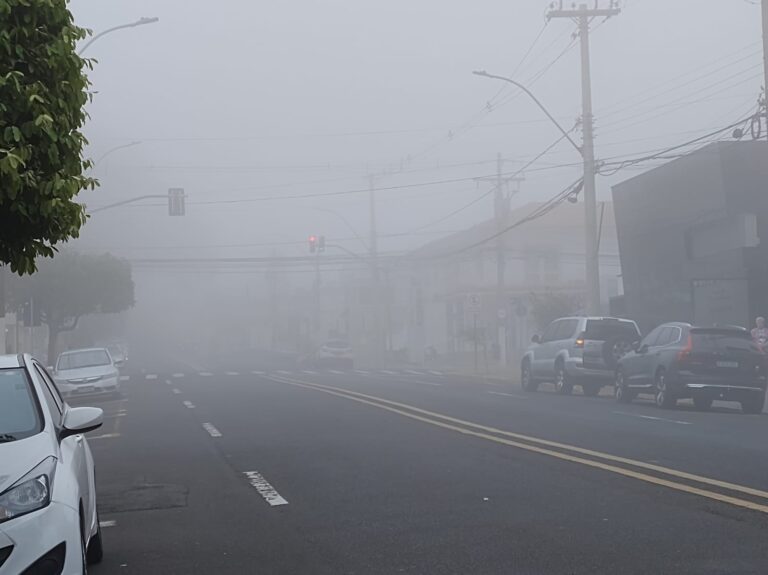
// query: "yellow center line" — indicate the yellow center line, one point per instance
point(400, 409)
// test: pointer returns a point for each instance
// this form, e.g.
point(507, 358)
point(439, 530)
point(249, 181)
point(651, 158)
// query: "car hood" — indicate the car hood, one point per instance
point(17, 458)
point(86, 372)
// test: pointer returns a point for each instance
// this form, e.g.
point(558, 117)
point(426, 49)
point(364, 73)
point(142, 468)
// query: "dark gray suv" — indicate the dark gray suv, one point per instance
point(580, 351)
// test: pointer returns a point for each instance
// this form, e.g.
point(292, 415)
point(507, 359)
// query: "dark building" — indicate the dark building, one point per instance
point(693, 237)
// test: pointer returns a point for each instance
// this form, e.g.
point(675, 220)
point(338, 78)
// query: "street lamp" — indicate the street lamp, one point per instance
point(115, 149)
point(139, 22)
point(590, 212)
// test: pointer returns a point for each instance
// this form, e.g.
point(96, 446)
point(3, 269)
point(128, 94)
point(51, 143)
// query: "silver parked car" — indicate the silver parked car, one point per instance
point(86, 372)
point(580, 351)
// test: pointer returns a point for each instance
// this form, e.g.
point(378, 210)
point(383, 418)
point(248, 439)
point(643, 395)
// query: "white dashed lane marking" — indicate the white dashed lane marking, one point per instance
point(232, 373)
point(256, 372)
point(189, 405)
point(268, 492)
point(176, 391)
point(337, 372)
point(650, 417)
point(178, 375)
point(212, 431)
point(151, 376)
point(506, 394)
point(205, 374)
point(105, 524)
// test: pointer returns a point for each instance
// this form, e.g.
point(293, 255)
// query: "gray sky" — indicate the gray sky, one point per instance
point(237, 99)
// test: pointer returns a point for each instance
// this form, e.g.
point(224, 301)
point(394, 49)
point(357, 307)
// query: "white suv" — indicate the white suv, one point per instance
point(48, 518)
point(578, 351)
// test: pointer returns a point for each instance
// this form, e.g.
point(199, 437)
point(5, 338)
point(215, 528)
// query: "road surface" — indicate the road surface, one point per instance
point(415, 471)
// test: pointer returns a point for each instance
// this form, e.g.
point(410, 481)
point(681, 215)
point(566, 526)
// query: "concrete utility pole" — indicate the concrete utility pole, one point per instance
point(765, 62)
point(373, 243)
point(582, 16)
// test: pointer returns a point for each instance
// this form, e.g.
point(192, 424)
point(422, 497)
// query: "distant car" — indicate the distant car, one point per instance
point(580, 351)
point(86, 372)
point(335, 352)
point(48, 517)
point(679, 361)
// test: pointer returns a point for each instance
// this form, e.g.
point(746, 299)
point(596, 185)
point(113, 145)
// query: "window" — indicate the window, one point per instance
point(611, 329)
point(78, 359)
point(19, 412)
point(567, 329)
point(651, 338)
point(551, 331)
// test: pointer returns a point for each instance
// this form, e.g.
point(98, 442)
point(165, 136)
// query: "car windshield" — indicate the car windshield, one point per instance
point(19, 412)
point(81, 359)
point(604, 330)
point(720, 339)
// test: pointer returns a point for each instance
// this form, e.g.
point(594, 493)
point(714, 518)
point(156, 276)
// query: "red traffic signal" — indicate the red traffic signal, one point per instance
point(312, 244)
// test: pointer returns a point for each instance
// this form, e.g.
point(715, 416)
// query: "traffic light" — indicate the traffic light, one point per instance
point(321, 244)
point(176, 202)
point(312, 244)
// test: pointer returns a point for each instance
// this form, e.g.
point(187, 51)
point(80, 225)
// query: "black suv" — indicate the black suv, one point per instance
point(679, 361)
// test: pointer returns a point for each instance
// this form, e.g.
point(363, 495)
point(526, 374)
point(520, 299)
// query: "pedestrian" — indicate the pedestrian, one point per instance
point(760, 333)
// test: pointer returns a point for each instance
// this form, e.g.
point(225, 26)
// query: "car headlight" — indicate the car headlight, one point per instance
point(30, 493)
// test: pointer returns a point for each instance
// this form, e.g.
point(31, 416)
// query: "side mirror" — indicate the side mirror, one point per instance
point(82, 420)
point(536, 339)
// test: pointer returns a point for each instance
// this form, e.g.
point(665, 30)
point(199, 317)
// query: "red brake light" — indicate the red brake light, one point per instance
point(683, 354)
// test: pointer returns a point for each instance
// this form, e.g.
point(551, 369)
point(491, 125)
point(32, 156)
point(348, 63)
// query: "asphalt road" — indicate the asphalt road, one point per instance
point(386, 472)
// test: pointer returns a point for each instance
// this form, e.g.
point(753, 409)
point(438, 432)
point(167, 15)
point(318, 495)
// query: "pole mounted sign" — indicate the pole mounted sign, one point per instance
point(176, 202)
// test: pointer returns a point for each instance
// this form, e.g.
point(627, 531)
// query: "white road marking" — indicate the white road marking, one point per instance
point(105, 436)
point(362, 372)
point(176, 391)
point(113, 415)
point(205, 374)
point(678, 422)
point(388, 372)
point(125, 377)
point(189, 405)
point(436, 372)
point(261, 485)
point(283, 372)
point(431, 383)
point(168, 382)
point(212, 431)
point(231, 373)
point(256, 372)
point(105, 524)
point(337, 372)
point(151, 376)
point(309, 372)
point(411, 372)
point(178, 375)
point(507, 394)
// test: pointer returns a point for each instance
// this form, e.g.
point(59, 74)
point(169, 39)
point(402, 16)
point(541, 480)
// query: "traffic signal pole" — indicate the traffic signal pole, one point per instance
point(583, 15)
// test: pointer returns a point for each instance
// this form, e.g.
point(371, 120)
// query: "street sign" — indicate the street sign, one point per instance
point(176, 202)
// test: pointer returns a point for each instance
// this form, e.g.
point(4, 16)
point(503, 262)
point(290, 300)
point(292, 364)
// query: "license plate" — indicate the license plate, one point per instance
point(728, 364)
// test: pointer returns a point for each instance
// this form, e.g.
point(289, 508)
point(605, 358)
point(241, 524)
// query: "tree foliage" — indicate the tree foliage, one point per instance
point(43, 92)
point(73, 285)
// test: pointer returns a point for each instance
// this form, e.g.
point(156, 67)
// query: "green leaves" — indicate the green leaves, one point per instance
point(43, 91)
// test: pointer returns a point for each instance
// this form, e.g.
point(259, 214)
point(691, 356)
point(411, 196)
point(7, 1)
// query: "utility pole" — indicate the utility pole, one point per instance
point(765, 62)
point(583, 15)
point(500, 214)
point(373, 248)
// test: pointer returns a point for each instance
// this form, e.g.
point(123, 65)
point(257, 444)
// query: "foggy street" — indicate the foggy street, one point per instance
point(416, 471)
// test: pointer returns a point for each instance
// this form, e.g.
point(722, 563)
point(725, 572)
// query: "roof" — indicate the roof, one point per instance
point(10, 361)
point(547, 232)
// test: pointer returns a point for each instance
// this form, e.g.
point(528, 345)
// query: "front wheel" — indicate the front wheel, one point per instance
point(621, 391)
point(754, 404)
point(526, 378)
point(95, 552)
point(563, 386)
point(664, 397)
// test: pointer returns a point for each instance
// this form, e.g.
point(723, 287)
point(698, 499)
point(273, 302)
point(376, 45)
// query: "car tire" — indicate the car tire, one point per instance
point(95, 552)
point(563, 386)
point(526, 378)
point(754, 404)
point(591, 389)
point(621, 392)
point(702, 403)
point(664, 399)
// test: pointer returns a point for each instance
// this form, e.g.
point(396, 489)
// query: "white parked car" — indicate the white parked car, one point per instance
point(335, 352)
point(48, 518)
point(86, 372)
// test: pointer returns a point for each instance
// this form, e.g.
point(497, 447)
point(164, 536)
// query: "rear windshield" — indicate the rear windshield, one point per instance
point(19, 412)
point(79, 359)
point(337, 344)
point(721, 339)
point(605, 330)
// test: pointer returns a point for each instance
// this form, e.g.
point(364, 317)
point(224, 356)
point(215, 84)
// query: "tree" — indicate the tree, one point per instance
point(43, 92)
point(73, 285)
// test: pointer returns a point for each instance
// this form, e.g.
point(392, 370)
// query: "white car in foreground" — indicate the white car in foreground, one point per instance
point(87, 372)
point(48, 518)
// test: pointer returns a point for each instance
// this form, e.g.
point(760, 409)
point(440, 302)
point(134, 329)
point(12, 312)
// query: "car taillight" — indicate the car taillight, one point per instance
point(685, 353)
point(580, 340)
